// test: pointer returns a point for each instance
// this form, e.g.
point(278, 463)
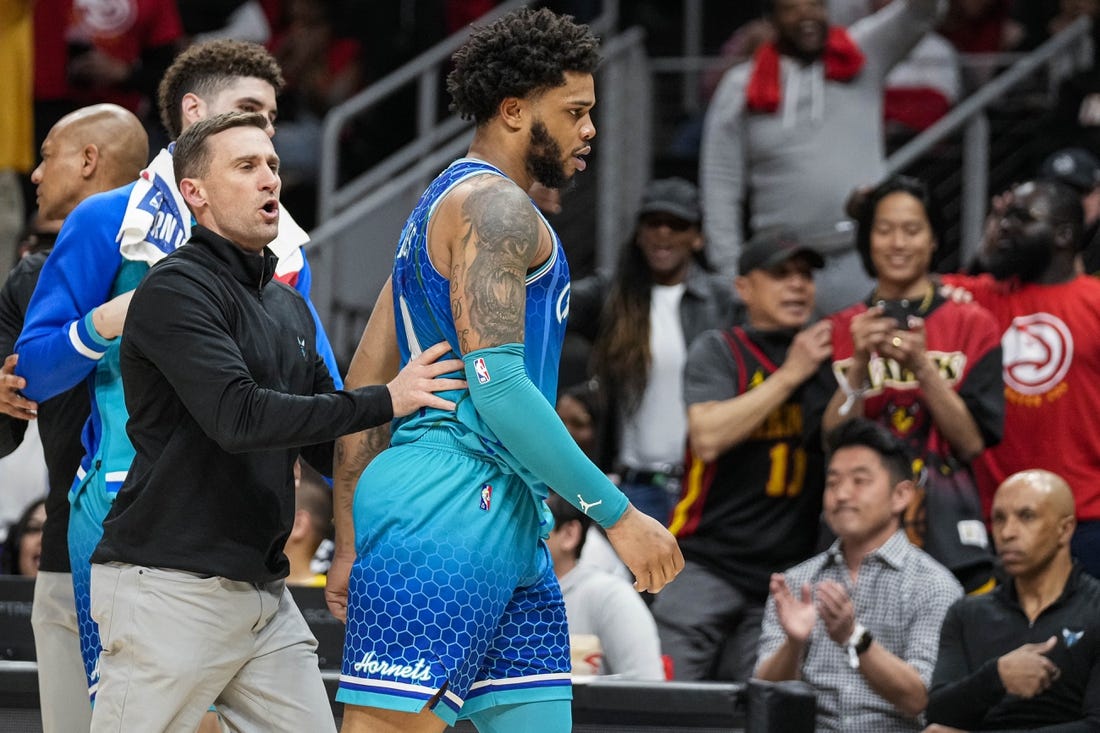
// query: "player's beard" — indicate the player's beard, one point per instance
point(545, 159)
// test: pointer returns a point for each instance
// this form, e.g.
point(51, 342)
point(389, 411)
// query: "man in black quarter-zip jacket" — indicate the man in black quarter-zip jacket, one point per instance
point(224, 388)
point(1027, 655)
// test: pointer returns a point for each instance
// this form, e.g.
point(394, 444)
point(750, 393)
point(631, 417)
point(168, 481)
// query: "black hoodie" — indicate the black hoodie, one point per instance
point(223, 386)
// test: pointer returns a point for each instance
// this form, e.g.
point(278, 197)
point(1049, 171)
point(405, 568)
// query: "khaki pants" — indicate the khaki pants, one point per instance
point(62, 686)
point(175, 643)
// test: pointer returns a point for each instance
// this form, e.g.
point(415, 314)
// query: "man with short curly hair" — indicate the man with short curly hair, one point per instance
point(452, 606)
point(208, 69)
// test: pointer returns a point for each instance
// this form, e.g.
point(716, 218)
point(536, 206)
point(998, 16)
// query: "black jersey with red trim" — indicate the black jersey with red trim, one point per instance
point(755, 509)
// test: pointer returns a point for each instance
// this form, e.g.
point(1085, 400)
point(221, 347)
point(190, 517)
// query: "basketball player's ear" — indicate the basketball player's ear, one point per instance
point(514, 113)
point(192, 109)
point(302, 524)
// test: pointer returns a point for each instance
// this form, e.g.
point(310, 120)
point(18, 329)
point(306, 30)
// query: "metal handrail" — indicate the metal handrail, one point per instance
point(354, 237)
point(435, 159)
point(699, 63)
point(969, 116)
point(989, 93)
point(424, 70)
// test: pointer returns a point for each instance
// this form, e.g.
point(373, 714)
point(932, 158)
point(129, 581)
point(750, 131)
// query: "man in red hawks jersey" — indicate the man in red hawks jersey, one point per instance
point(1050, 320)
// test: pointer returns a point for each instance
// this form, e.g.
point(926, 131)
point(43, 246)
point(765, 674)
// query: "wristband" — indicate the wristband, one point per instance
point(851, 394)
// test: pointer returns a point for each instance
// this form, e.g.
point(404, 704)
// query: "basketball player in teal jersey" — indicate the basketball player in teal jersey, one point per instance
point(452, 608)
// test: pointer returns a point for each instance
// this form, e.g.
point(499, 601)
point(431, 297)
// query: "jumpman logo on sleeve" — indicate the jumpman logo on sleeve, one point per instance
point(585, 506)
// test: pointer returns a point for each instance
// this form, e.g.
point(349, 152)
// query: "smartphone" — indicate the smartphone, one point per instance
point(894, 309)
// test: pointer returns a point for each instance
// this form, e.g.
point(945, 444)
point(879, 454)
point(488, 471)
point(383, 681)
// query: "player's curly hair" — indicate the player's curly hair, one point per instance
point(207, 68)
point(522, 52)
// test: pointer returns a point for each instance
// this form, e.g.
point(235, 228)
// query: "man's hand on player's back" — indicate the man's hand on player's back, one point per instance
point(416, 384)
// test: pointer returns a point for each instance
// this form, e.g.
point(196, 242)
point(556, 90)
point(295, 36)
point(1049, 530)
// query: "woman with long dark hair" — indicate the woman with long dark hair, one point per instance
point(660, 298)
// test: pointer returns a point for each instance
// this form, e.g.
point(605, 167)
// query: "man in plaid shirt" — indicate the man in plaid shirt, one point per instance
point(860, 622)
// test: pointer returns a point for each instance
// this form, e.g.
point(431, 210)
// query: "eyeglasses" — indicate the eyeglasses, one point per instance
point(674, 223)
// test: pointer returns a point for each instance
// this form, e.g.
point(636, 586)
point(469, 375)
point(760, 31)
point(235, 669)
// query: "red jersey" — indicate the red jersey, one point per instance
point(123, 29)
point(963, 342)
point(1051, 344)
point(960, 339)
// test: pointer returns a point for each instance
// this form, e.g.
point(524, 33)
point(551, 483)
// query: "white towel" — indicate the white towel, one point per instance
point(157, 221)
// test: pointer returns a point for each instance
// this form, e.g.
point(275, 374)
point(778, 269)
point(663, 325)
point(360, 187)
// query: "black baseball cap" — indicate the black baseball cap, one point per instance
point(1075, 167)
point(774, 246)
point(676, 196)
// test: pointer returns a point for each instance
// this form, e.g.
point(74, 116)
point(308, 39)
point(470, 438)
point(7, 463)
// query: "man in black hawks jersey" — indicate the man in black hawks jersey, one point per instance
point(751, 495)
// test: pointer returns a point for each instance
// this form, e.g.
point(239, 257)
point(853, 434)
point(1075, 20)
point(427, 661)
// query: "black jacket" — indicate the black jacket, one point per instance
point(223, 386)
point(966, 688)
point(60, 418)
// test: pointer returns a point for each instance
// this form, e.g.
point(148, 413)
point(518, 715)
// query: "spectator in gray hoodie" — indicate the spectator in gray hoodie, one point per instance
point(789, 134)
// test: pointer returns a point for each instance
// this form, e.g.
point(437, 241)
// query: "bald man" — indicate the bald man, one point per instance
point(87, 151)
point(90, 150)
point(1027, 655)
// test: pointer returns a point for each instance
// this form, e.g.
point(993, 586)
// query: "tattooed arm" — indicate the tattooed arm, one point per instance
point(500, 238)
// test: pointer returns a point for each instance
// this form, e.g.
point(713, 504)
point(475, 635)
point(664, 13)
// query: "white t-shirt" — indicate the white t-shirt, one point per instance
point(599, 553)
point(602, 605)
point(653, 437)
point(23, 478)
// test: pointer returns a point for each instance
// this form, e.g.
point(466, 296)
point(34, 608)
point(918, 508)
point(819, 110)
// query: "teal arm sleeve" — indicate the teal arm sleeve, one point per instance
point(529, 427)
